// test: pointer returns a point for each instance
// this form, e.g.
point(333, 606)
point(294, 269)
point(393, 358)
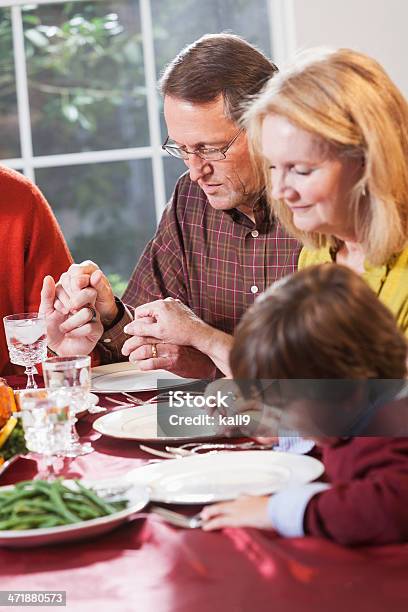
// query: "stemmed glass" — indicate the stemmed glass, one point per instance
point(26, 335)
point(70, 377)
point(47, 428)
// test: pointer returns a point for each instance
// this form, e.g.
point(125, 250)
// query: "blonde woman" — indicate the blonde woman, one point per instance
point(331, 133)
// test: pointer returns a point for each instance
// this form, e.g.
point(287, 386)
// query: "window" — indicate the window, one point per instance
point(80, 115)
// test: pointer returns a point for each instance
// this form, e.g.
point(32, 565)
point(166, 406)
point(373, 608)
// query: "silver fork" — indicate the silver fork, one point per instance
point(177, 450)
point(195, 447)
point(178, 519)
point(134, 401)
point(156, 398)
point(159, 453)
point(119, 403)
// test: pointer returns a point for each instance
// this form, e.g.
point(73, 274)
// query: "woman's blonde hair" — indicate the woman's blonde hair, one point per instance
point(345, 99)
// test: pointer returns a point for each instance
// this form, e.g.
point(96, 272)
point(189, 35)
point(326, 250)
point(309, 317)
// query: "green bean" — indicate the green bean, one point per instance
point(52, 522)
point(108, 508)
point(23, 508)
point(39, 504)
point(83, 511)
point(14, 498)
point(23, 484)
point(31, 522)
point(78, 497)
point(53, 492)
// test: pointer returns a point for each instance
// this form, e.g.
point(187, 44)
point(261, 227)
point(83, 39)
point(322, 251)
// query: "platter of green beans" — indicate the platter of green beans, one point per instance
point(37, 512)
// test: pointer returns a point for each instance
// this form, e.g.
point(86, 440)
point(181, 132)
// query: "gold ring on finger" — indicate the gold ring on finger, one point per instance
point(92, 310)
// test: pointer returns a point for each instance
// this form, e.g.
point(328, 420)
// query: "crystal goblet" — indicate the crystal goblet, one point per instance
point(71, 377)
point(47, 429)
point(26, 335)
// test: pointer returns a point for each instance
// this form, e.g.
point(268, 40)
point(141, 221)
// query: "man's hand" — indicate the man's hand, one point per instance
point(182, 360)
point(77, 287)
point(168, 321)
point(68, 334)
point(171, 322)
point(246, 511)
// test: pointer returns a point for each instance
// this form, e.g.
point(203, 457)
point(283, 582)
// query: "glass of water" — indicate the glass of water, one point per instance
point(71, 378)
point(47, 428)
point(26, 335)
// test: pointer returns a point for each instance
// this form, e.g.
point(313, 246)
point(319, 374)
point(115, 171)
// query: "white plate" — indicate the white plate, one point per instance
point(117, 377)
point(140, 423)
point(222, 476)
point(75, 531)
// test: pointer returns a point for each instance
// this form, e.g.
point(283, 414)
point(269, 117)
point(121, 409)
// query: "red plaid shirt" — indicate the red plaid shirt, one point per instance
point(216, 262)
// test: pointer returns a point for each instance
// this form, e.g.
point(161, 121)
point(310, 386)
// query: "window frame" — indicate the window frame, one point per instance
point(282, 35)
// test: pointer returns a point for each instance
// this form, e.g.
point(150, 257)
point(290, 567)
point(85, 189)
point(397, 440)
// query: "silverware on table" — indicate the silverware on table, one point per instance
point(158, 453)
point(181, 452)
point(132, 398)
point(96, 409)
point(120, 403)
point(197, 447)
point(178, 519)
point(159, 397)
point(135, 401)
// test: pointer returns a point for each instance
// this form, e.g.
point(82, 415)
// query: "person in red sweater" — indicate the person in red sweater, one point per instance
point(305, 333)
point(32, 246)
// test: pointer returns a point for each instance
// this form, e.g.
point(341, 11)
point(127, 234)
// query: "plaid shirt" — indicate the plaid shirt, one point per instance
point(216, 262)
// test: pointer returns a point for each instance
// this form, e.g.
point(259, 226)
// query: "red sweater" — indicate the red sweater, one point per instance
point(368, 500)
point(32, 246)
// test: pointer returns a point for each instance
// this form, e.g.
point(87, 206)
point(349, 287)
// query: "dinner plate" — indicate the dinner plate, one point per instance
point(138, 499)
point(117, 377)
point(140, 423)
point(226, 475)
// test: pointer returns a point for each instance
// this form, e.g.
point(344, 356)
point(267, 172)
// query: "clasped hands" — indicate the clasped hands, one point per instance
point(161, 335)
point(73, 322)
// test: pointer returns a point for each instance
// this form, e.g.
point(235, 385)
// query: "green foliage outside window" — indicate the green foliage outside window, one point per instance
point(87, 92)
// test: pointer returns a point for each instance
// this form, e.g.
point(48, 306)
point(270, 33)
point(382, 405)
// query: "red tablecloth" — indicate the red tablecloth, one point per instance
point(148, 566)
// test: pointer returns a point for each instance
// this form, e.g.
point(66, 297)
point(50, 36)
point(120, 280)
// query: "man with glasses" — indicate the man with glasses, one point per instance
point(216, 247)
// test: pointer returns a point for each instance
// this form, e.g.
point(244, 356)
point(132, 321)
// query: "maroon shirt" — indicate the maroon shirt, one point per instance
point(368, 500)
point(215, 262)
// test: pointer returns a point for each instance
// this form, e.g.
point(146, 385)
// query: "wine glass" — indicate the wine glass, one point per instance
point(47, 428)
point(71, 378)
point(26, 335)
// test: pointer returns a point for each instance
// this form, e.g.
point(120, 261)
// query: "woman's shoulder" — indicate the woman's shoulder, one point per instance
point(401, 260)
point(312, 257)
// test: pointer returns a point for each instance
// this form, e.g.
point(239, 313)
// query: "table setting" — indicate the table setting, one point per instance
point(210, 470)
point(151, 551)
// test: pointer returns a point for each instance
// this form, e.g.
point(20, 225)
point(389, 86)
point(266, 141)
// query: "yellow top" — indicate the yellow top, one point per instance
point(389, 282)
